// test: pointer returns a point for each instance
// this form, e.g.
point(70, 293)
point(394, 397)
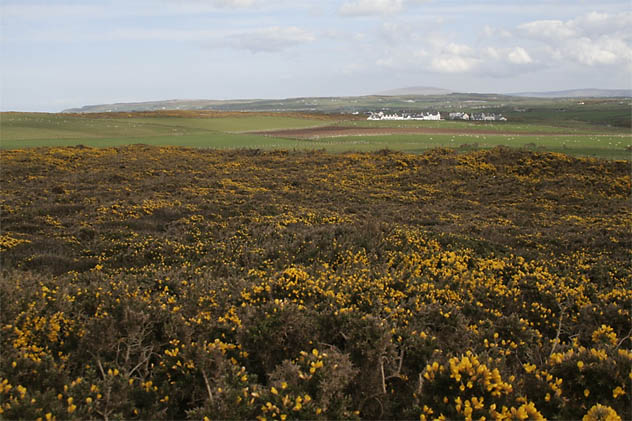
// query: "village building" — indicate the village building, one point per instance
point(477, 116)
point(405, 116)
point(436, 115)
point(458, 116)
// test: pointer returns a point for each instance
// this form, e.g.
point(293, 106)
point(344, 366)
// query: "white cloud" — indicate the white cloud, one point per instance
point(456, 58)
point(268, 39)
point(603, 51)
point(492, 32)
point(128, 34)
point(519, 55)
point(457, 49)
point(65, 9)
point(235, 3)
point(43, 10)
point(271, 39)
point(592, 39)
point(547, 29)
point(376, 7)
point(453, 64)
point(371, 7)
point(591, 25)
point(597, 24)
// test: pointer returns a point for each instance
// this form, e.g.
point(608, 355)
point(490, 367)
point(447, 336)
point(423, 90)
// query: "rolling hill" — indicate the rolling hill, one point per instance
point(412, 99)
point(579, 93)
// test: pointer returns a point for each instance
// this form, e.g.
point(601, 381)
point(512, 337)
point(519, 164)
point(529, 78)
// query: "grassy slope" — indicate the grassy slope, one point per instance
point(519, 127)
point(609, 147)
point(41, 129)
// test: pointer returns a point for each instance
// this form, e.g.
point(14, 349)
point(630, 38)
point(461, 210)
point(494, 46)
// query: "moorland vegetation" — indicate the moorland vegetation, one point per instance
point(169, 283)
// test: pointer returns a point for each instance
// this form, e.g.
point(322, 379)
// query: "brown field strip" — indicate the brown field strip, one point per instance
point(337, 131)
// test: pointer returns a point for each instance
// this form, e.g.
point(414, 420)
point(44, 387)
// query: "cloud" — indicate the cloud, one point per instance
point(597, 24)
point(65, 9)
point(43, 10)
point(371, 7)
point(519, 55)
point(547, 29)
point(591, 25)
point(492, 32)
point(603, 51)
point(271, 39)
point(235, 3)
point(355, 8)
point(460, 58)
point(268, 40)
point(160, 34)
point(453, 64)
point(457, 49)
point(592, 39)
point(439, 56)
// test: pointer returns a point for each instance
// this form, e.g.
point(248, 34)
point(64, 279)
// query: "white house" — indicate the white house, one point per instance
point(405, 116)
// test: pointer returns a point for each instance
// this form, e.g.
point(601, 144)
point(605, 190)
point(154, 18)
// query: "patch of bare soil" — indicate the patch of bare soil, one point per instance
point(336, 131)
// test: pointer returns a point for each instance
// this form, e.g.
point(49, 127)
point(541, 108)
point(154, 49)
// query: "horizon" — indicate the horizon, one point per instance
point(347, 96)
point(327, 96)
point(62, 54)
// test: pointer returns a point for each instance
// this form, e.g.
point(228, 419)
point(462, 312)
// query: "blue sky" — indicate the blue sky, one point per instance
point(58, 54)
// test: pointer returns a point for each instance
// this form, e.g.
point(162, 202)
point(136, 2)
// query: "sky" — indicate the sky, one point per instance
point(57, 54)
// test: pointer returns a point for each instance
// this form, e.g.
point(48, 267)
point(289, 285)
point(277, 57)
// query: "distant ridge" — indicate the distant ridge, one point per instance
point(414, 98)
point(578, 93)
point(169, 104)
point(414, 91)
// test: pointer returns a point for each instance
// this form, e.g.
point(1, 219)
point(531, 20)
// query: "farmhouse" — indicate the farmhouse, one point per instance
point(477, 116)
point(405, 116)
point(458, 116)
point(487, 117)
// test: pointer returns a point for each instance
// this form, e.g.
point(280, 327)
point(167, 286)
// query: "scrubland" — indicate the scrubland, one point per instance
point(170, 283)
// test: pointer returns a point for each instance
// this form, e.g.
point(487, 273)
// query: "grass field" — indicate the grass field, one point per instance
point(236, 130)
point(59, 127)
point(609, 147)
point(500, 126)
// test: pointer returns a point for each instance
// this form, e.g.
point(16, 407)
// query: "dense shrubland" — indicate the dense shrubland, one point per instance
point(148, 283)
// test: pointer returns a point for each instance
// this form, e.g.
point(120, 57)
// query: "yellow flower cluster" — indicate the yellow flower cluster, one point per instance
point(8, 242)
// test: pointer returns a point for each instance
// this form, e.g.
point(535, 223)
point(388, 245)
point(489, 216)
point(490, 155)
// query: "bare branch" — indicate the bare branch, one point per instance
point(556, 341)
point(208, 386)
point(401, 361)
point(383, 378)
point(101, 368)
point(624, 339)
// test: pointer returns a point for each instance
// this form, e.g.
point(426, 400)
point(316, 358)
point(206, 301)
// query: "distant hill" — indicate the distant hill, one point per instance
point(578, 93)
point(170, 104)
point(406, 99)
point(415, 91)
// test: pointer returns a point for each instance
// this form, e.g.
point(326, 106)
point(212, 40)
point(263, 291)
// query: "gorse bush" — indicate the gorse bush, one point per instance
point(167, 283)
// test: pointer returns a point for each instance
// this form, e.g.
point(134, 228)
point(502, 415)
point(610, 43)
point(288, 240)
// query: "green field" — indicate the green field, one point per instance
point(236, 130)
point(498, 126)
point(603, 146)
point(47, 127)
